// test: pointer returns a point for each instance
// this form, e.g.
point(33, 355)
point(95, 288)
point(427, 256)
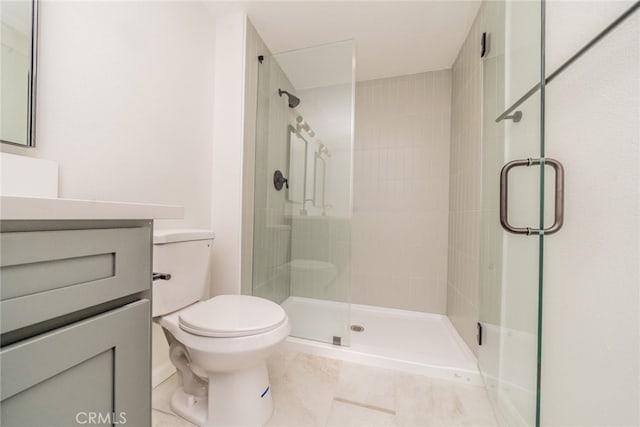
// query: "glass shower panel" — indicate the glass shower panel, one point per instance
point(306, 133)
point(271, 223)
point(510, 263)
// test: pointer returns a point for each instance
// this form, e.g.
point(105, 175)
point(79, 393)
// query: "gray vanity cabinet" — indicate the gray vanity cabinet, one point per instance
point(95, 366)
point(75, 314)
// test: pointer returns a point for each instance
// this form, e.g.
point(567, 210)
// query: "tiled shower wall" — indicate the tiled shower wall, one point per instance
point(464, 189)
point(254, 47)
point(271, 227)
point(400, 192)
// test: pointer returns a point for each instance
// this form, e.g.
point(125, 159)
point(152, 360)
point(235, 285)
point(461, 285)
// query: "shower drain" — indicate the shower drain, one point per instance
point(357, 328)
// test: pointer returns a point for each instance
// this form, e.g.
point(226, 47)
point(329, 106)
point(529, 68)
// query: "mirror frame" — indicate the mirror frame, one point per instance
point(31, 102)
point(292, 184)
point(319, 184)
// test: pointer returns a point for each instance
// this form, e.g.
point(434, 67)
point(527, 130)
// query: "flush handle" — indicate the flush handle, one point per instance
point(161, 276)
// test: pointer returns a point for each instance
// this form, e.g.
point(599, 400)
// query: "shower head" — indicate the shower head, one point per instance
point(293, 100)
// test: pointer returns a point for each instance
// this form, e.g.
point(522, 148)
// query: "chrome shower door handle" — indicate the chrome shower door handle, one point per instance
point(504, 192)
point(558, 219)
point(558, 216)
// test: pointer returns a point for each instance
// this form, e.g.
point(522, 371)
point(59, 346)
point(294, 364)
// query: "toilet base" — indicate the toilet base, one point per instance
point(189, 407)
point(238, 398)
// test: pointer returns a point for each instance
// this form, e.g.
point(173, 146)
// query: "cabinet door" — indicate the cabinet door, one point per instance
point(96, 371)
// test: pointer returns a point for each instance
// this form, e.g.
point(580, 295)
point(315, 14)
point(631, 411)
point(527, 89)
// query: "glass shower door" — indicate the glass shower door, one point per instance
point(302, 242)
point(513, 187)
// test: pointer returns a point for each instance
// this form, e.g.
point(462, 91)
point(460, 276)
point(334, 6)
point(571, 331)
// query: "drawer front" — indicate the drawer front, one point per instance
point(46, 274)
point(97, 366)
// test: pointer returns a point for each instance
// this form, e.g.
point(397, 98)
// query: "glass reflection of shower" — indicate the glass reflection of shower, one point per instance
point(302, 232)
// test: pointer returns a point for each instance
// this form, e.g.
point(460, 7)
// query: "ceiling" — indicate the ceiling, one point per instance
point(391, 37)
point(326, 65)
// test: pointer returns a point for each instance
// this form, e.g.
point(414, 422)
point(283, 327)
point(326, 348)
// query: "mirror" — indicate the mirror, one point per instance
point(307, 171)
point(320, 167)
point(301, 167)
point(18, 70)
point(297, 166)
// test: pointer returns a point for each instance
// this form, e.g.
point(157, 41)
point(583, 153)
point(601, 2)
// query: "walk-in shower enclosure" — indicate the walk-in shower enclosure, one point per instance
point(543, 205)
point(303, 188)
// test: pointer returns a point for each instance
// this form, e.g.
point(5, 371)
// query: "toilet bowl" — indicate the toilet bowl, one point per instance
point(219, 346)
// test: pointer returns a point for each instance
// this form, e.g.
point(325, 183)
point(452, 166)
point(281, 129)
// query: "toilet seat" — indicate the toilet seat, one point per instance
point(227, 316)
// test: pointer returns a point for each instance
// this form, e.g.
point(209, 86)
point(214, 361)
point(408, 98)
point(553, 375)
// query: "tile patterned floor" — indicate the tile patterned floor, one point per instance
point(316, 391)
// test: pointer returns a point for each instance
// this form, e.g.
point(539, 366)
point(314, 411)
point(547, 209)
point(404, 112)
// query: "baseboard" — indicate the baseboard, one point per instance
point(161, 373)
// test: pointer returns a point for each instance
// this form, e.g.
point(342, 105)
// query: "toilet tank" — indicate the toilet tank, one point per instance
point(185, 254)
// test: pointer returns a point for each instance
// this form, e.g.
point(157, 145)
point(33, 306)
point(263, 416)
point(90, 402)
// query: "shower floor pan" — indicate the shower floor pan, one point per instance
point(420, 343)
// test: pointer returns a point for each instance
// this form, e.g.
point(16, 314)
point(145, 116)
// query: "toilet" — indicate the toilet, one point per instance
point(218, 346)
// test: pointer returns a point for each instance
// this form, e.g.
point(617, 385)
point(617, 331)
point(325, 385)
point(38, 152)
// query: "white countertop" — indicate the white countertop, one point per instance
point(29, 208)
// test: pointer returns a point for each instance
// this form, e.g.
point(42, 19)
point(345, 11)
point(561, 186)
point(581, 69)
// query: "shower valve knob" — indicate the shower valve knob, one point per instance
point(279, 180)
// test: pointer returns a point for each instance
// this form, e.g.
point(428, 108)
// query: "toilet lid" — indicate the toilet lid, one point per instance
point(232, 316)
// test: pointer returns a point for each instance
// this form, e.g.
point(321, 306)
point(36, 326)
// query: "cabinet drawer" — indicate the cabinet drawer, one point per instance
point(99, 365)
point(46, 274)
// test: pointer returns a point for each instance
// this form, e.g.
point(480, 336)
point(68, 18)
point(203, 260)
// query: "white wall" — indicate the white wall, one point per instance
point(401, 182)
point(572, 24)
point(591, 329)
point(227, 166)
point(125, 102)
point(125, 105)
